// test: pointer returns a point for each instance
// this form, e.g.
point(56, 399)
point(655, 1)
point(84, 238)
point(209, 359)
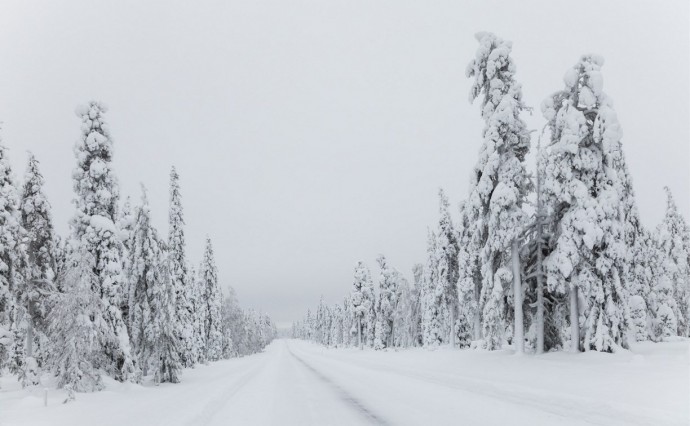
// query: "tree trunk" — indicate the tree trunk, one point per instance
point(477, 322)
point(574, 321)
point(29, 338)
point(359, 333)
point(30, 332)
point(452, 327)
point(518, 332)
point(540, 309)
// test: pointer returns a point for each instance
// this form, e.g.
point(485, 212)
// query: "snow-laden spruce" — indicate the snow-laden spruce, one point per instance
point(13, 314)
point(77, 338)
point(674, 243)
point(212, 298)
point(182, 283)
point(498, 188)
point(386, 306)
point(39, 270)
point(93, 227)
point(152, 301)
point(585, 197)
point(440, 290)
point(362, 300)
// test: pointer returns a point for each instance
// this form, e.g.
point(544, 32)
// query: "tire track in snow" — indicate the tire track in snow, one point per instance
point(343, 394)
point(209, 411)
point(567, 406)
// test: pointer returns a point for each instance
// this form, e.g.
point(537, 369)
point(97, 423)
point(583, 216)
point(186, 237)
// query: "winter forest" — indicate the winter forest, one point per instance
point(548, 259)
point(344, 213)
point(116, 296)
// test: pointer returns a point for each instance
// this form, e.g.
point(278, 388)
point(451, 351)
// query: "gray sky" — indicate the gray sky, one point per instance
point(312, 134)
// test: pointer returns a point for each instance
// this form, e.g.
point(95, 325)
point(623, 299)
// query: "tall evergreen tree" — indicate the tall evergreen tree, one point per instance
point(178, 267)
point(39, 272)
point(77, 339)
point(125, 226)
point(385, 314)
point(432, 310)
point(198, 320)
point(440, 286)
point(152, 301)
point(93, 226)
point(357, 301)
point(12, 257)
point(499, 183)
point(674, 243)
point(584, 195)
point(213, 297)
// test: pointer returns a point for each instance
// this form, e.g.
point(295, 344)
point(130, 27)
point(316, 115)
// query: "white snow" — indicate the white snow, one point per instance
point(299, 383)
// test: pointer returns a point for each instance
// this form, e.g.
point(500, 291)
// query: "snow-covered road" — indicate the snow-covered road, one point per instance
point(298, 383)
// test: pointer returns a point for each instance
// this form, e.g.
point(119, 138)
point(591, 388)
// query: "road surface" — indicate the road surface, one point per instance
point(298, 383)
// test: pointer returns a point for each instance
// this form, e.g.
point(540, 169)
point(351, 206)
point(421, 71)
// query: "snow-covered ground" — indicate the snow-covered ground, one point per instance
point(298, 383)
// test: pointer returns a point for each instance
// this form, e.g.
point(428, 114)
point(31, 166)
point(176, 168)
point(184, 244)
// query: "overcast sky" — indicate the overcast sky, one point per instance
point(312, 134)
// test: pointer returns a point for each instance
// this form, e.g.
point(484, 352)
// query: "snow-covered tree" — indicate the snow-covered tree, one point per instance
point(213, 298)
point(536, 248)
point(152, 300)
point(199, 307)
point(232, 315)
point(350, 333)
point(362, 299)
point(404, 315)
point(336, 326)
point(584, 194)
point(13, 313)
point(93, 228)
point(386, 306)
point(674, 243)
point(469, 272)
point(499, 183)
point(184, 309)
point(432, 309)
point(441, 304)
point(77, 338)
point(416, 304)
point(125, 225)
point(39, 271)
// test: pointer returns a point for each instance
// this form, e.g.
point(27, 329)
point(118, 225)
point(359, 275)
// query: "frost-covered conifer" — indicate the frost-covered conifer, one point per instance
point(213, 299)
point(442, 292)
point(469, 272)
point(362, 299)
point(404, 316)
point(386, 306)
point(77, 338)
point(125, 225)
point(499, 184)
point(336, 326)
point(152, 301)
point(199, 307)
point(93, 228)
point(349, 324)
point(166, 355)
point(13, 315)
point(232, 324)
point(585, 196)
point(39, 271)
point(432, 310)
point(650, 289)
point(184, 308)
point(674, 243)
point(416, 304)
